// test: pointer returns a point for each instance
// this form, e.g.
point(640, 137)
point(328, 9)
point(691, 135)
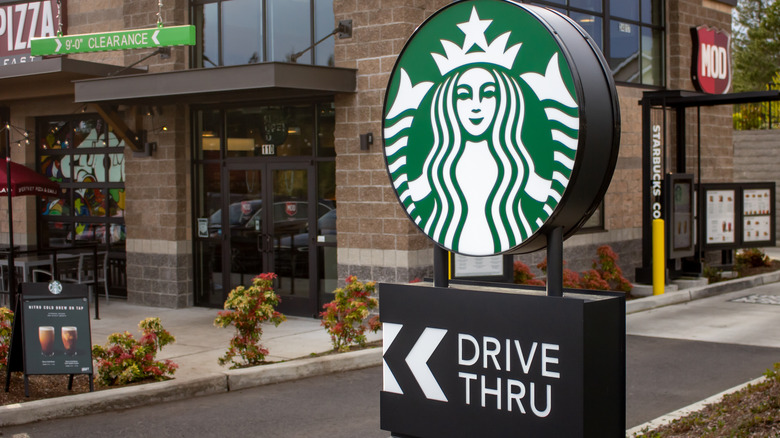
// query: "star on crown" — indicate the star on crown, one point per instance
point(493, 53)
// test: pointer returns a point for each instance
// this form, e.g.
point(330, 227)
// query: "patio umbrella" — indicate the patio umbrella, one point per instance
point(19, 180)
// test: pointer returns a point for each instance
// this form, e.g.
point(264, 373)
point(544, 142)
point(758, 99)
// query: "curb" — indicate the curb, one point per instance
point(172, 390)
point(696, 293)
point(680, 413)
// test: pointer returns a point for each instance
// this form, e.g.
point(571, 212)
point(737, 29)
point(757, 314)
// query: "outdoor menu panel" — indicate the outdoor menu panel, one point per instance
point(720, 208)
point(756, 208)
point(56, 331)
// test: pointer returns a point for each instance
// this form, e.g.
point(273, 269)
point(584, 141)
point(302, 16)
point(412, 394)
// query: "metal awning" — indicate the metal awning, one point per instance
point(687, 99)
point(50, 77)
point(272, 80)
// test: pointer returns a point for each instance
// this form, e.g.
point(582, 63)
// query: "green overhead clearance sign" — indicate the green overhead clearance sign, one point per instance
point(121, 40)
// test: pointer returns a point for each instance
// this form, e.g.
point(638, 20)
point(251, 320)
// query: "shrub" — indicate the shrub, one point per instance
point(610, 272)
point(247, 308)
point(348, 316)
point(605, 274)
point(752, 257)
point(6, 327)
point(124, 360)
point(523, 275)
point(592, 280)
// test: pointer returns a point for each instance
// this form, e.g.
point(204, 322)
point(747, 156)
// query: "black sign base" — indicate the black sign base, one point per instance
point(502, 362)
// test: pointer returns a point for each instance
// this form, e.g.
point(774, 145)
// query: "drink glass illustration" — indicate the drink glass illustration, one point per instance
point(69, 338)
point(46, 338)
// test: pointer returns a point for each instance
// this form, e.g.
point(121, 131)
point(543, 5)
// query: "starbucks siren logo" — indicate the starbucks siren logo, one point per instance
point(481, 127)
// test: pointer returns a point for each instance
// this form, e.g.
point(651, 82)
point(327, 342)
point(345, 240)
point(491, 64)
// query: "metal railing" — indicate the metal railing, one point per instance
point(763, 115)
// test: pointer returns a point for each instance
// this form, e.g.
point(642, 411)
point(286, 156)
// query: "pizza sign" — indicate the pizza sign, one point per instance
point(711, 60)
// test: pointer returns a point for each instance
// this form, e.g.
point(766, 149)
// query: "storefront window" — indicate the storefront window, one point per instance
point(87, 159)
point(629, 32)
point(236, 32)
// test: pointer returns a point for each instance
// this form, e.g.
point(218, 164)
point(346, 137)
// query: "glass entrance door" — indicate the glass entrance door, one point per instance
point(270, 212)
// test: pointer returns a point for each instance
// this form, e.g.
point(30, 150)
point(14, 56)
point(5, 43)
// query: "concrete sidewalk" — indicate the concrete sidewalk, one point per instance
point(199, 343)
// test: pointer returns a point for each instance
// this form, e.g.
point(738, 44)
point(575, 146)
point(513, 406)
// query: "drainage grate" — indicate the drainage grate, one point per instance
point(759, 299)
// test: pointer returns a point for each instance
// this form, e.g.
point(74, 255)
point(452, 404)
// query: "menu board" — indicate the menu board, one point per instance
point(56, 331)
point(720, 208)
point(757, 219)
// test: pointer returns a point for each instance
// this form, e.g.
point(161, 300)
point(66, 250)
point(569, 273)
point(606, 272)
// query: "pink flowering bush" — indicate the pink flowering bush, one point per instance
point(523, 275)
point(247, 308)
point(348, 316)
point(605, 274)
point(125, 360)
point(6, 325)
point(610, 272)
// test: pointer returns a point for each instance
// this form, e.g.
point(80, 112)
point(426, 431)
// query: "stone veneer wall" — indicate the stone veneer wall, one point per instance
point(159, 248)
point(757, 159)
point(716, 124)
point(377, 241)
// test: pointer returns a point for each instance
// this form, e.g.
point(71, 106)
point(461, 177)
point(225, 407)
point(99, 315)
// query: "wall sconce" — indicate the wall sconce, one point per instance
point(149, 148)
point(366, 140)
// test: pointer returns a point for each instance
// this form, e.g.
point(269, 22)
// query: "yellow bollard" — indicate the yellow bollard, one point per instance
point(659, 257)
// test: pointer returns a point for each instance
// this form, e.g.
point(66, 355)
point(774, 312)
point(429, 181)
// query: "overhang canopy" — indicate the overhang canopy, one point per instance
point(272, 80)
point(50, 77)
point(686, 99)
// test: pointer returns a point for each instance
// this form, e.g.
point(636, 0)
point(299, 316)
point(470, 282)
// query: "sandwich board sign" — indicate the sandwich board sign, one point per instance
point(51, 333)
point(501, 134)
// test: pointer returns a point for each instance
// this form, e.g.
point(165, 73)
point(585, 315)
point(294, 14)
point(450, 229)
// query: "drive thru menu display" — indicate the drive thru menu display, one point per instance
point(720, 216)
point(756, 207)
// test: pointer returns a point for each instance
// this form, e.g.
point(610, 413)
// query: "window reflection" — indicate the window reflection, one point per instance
point(628, 9)
point(590, 5)
point(241, 39)
point(627, 20)
point(289, 29)
point(236, 32)
point(592, 24)
point(624, 51)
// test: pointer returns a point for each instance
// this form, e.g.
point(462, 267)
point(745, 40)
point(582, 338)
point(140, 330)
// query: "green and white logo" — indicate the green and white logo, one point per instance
point(481, 126)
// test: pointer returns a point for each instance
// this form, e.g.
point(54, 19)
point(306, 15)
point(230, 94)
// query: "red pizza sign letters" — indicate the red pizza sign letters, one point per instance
point(711, 66)
point(20, 22)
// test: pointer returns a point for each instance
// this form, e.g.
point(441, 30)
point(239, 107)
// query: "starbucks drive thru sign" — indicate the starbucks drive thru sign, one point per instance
point(121, 40)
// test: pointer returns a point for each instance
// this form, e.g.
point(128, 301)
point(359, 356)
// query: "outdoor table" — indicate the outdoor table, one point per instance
point(26, 263)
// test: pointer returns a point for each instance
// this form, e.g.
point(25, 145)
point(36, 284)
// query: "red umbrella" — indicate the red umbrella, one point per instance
point(25, 181)
point(22, 181)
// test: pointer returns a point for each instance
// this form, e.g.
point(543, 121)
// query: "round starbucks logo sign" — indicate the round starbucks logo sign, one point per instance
point(483, 126)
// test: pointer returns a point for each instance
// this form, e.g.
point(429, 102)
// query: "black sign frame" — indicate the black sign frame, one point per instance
point(674, 215)
point(739, 216)
point(584, 364)
point(59, 306)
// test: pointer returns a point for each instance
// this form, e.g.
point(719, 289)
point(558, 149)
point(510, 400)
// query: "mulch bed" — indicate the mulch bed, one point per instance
point(42, 387)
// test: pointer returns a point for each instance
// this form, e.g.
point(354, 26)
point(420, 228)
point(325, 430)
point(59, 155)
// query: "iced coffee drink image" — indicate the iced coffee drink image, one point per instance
point(69, 338)
point(46, 338)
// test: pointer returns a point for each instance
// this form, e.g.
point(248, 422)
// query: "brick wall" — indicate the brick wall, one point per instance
point(376, 238)
point(757, 158)
point(159, 249)
point(717, 155)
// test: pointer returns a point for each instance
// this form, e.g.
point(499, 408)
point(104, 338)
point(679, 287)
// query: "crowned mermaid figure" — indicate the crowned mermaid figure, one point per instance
point(478, 190)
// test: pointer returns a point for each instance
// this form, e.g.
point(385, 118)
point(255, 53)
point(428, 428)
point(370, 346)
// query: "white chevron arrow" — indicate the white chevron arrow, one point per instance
point(389, 332)
point(418, 362)
point(59, 44)
point(154, 37)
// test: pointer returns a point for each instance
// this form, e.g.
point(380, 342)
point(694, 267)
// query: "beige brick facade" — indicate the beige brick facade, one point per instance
point(376, 239)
